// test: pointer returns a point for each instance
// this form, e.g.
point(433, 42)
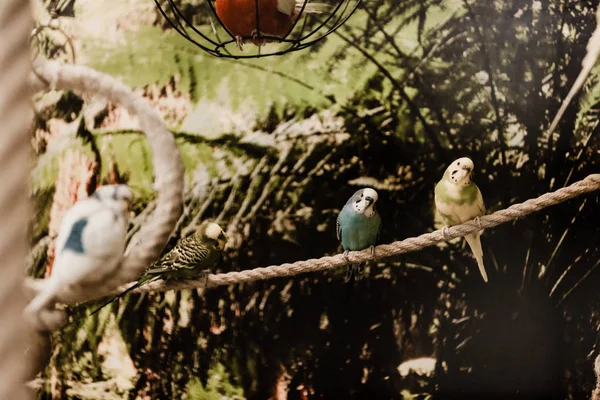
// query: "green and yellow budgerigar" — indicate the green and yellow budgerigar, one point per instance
point(189, 259)
point(190, 256)
point(458, 200)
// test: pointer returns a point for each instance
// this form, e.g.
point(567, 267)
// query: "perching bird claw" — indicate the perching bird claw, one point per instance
point(345, 254)
point(204, 278)
point(348, 267)
point(478, 220)
point(445, 232)
point(255, 33)
point(239, 42)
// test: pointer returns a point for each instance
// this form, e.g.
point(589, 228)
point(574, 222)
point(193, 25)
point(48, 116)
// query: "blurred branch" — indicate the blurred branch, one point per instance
point(413, 107)
point(593, 51)
point(587, 273)
point(487, 62)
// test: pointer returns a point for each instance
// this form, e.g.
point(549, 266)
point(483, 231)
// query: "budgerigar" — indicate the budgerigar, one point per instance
point(89, 244)
point(189, 259)
point(358, 226)
point(458, 200)
point(276, 17)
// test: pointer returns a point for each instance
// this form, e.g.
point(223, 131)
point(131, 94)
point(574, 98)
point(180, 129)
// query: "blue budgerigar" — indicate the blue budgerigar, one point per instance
point(89, 245)
point(358, 226)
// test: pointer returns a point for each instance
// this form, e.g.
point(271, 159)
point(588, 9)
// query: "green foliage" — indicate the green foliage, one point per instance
point(588, 102)
point(236, 85)
point(218, 387)
point(443, 81)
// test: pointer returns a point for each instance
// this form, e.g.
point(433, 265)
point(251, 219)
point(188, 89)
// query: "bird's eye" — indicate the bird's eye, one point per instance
point(362, 194)
point(458, 163)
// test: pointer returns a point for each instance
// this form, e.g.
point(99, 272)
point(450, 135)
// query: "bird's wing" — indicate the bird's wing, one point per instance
point(166, 263)
point(81, 209)
point(188, 253)
point(312, 8)
point(448, 216)
point(338, 228)
point(378, 228)
point(286, 6)
point(479, 202)
point(105, 234)
point(74, 241)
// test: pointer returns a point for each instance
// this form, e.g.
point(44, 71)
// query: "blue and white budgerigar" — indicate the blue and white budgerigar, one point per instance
point(358, 226)
point(458, 200)
point(191, 257)
point(89, 244)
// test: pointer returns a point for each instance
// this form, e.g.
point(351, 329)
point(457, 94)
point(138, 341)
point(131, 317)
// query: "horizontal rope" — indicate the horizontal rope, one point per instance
point(589, 184)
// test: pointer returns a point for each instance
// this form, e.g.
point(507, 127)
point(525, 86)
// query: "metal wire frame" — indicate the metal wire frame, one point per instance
point(36, 49)
point(217, 47)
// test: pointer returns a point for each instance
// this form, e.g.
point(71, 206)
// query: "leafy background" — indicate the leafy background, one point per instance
point(273, 147)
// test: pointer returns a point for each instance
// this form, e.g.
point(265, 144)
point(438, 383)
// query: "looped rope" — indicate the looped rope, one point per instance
point(52, 25)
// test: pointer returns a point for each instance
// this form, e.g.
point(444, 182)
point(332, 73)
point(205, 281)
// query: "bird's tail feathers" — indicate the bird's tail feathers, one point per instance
point(354, 269)
point(312, 8)
point(142, 281)
point(43, 296)
point(112, 299)
point(475, 244)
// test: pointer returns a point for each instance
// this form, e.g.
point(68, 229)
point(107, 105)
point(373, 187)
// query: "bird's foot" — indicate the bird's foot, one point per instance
point(239, 41)
point(256, 33)
point(348, 267)
point(204, 278)
point(345, 254)
point(372, 248)
point(259, 37)
point(445, 232)
point(478, 220)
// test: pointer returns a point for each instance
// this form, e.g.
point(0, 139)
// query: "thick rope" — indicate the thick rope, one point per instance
point(589, 184)
point(596, 391)
point(168, 170)
point(15, 115)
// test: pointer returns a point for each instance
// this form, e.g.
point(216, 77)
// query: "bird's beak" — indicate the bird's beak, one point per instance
point(369, 200)
point(468, 169)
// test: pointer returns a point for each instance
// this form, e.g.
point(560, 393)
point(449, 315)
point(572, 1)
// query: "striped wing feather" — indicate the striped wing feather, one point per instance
point(188, 253)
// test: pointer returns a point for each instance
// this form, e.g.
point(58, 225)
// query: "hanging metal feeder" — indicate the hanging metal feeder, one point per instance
point(255, 28)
